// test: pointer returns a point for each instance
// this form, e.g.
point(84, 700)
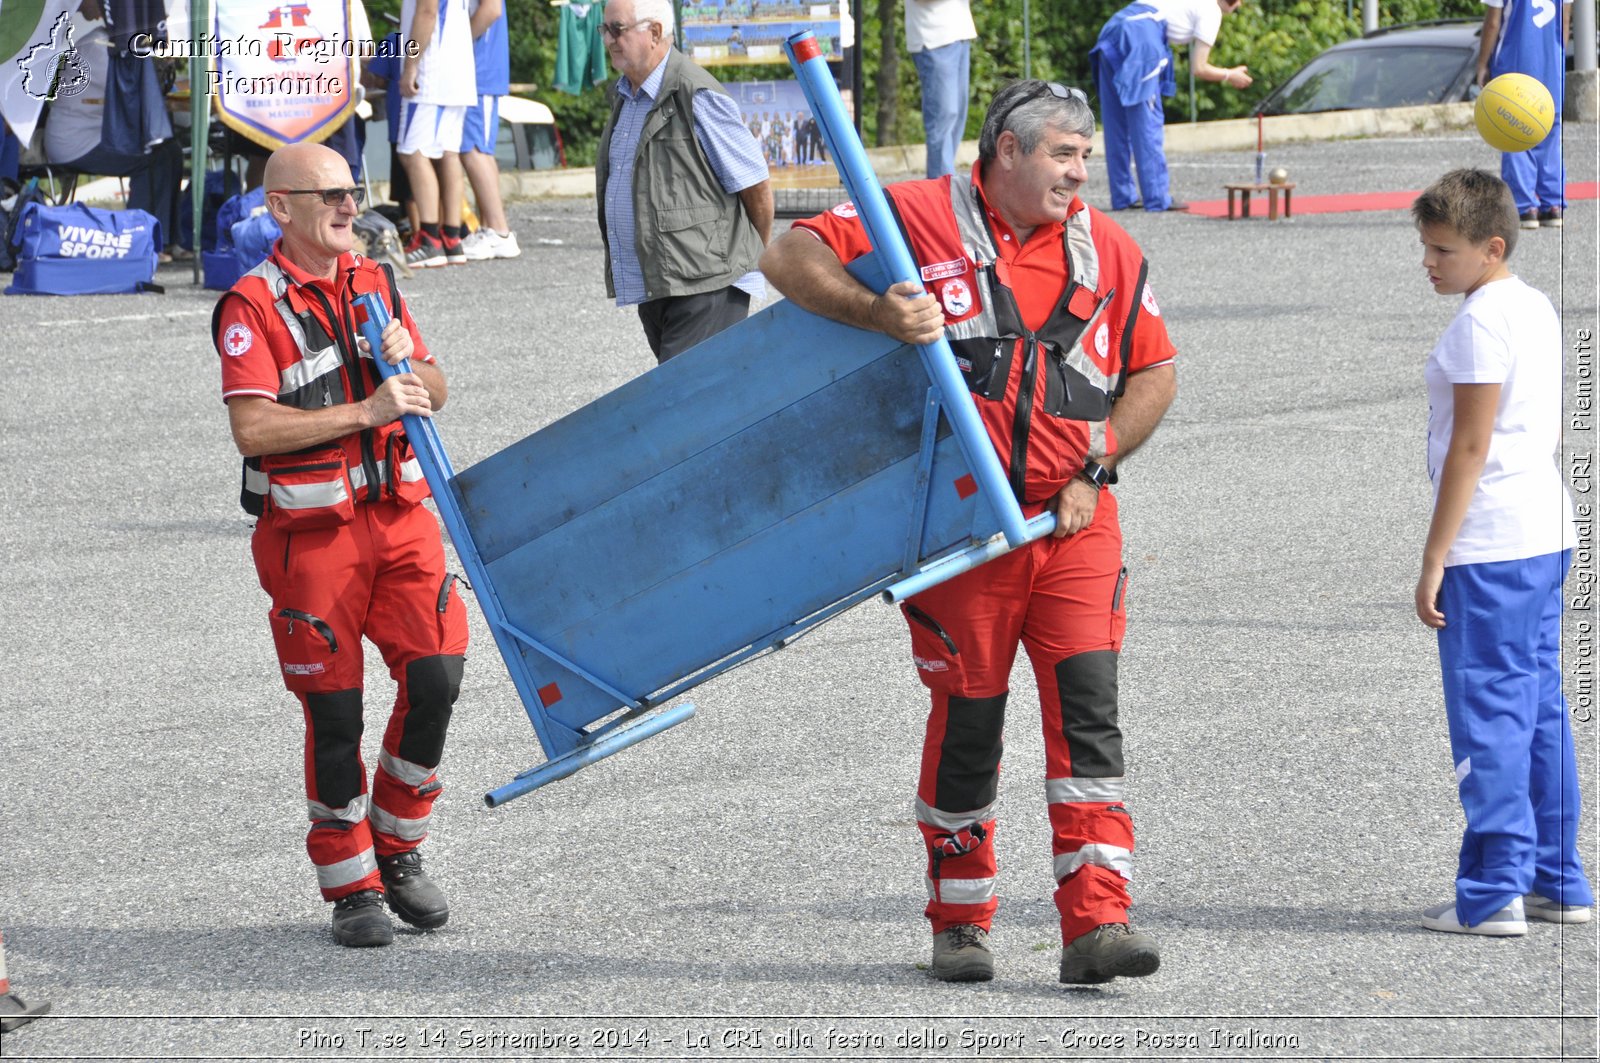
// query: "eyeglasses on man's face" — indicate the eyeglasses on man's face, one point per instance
point(333, 197)
point(615, 30)
point(1059, 91)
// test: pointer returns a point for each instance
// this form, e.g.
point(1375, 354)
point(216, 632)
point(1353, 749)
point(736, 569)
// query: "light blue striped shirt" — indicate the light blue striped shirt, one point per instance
point(733, 153)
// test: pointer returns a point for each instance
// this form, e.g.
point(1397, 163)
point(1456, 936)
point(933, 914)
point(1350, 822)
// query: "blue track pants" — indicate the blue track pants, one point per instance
point(1509, 736)
point(1134, 137)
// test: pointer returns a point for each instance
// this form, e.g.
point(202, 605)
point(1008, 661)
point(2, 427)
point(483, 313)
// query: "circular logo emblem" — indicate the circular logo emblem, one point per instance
point(237, 339)
point(957, 298)
point(1148, 301)
point(846, 209)
point(1102, 339)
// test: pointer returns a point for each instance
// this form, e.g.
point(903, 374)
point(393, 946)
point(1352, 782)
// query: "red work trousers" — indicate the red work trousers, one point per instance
point(1064, 600)
point(381, 576)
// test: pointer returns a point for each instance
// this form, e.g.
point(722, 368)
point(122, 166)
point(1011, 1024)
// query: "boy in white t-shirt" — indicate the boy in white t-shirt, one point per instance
point(1497, 551)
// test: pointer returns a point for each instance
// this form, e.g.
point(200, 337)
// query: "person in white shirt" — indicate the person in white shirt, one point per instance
point(1497, 552)
point(439, 82)
point(939, 36)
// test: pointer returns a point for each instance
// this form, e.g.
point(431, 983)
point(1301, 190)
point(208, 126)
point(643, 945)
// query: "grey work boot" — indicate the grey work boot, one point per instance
point(359, 921)
point(411, 893)
point(1109, 951)
point(961, 954)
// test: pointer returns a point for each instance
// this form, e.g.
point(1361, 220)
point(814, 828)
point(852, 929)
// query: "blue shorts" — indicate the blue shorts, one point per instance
point(482, 126)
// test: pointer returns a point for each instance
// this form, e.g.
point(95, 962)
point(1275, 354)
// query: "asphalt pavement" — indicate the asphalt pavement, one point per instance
point(749, 884)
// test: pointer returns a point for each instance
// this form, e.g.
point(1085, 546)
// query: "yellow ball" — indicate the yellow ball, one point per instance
point(1514, 112)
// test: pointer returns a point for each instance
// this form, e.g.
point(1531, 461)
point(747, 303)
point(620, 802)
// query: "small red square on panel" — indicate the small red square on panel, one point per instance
point(549, 694)
point(966, 487)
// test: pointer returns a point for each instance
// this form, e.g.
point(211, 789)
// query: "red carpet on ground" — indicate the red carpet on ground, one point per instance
point(1355, 201)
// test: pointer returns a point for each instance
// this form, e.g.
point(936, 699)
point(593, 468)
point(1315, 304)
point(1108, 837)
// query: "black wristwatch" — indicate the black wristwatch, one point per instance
point(1098, 475)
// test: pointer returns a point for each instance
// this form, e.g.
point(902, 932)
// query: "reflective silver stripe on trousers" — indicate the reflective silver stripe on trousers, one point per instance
point(407, 830)
point(354, 812)
point(1076, 788)
point(943, 820)
point(310, 496)
point(345, 872)
point(407, 772)
point(961, 890)
point(1111, 857)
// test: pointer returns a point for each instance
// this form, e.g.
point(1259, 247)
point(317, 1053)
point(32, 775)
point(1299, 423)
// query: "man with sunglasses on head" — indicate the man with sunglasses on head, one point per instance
point(1133, 69)
point(685, 200)
point(1045, 305)
point(342, 545)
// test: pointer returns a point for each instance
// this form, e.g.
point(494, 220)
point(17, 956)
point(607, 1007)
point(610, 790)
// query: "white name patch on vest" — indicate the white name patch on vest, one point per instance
point(846, 209)
point(237, 339)
point(940, 270)
point(1102, 339)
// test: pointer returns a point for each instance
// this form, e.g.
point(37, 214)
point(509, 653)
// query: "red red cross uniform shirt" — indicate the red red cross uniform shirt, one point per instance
point(1037, 274)
point(257, 346)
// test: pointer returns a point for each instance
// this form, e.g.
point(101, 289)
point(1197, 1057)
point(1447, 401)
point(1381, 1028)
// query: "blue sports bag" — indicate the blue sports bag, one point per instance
point(77, 249)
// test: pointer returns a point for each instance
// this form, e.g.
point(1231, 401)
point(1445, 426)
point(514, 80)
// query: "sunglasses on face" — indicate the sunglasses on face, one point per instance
point(615, 30)
point(333, 197)
point(1059, 91)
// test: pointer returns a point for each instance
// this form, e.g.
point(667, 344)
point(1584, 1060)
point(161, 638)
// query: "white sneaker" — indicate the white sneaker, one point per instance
point(486, 243)
point(1507, 922)
point(1540, 907)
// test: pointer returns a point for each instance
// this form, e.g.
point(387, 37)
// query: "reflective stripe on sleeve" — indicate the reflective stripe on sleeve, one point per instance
point(935, 817)
point(346, 872)
point(1111, 857)
point(961, 890)
point(1075, 789)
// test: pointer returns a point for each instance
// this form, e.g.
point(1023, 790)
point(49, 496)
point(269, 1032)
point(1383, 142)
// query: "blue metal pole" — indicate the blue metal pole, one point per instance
point(937, 572)
point(861, 183)
point(583, 756)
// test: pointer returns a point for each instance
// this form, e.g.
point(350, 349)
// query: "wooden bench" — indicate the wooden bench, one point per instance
point(1240, 194)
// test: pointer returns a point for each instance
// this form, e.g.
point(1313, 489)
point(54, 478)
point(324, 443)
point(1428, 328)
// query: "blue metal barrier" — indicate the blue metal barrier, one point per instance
point(627, 553)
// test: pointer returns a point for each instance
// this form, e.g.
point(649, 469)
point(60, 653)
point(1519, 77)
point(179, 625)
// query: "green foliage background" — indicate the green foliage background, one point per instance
point(1273, 37)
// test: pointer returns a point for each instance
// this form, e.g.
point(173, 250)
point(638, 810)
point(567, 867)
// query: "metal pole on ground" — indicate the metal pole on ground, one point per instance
point(1369, 15)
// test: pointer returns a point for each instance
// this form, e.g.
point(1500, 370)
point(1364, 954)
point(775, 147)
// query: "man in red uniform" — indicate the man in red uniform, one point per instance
point(342, 545)
point(1061, 342)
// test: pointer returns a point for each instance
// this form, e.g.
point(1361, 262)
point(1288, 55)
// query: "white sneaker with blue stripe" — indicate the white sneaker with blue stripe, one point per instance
point(1551, 911)
point(1509, 921)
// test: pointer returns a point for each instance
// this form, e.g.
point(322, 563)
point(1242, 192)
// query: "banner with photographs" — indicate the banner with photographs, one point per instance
point(750, 32)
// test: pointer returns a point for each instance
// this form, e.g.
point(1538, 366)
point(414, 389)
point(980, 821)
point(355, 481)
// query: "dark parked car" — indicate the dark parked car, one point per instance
point(1401, 66)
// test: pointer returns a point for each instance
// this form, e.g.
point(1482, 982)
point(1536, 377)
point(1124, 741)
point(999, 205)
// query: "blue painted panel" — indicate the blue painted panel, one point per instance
point(656, 421)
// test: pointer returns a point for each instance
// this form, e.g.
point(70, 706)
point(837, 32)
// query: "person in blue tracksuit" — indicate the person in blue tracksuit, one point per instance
point(1133, 69)
point(1530, 37)
point(1498, 549)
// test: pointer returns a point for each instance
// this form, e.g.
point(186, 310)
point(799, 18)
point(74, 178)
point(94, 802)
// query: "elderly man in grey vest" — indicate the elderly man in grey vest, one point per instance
point(684, 194)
